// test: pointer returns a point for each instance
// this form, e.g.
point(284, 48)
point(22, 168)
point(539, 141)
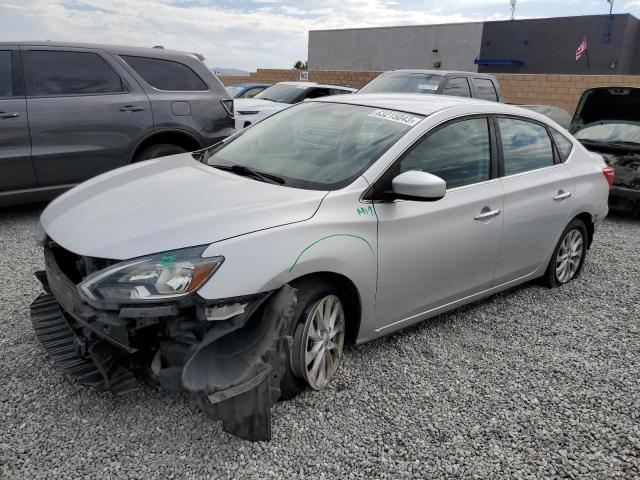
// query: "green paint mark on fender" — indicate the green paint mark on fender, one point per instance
point(330, 236)
point(365, 211)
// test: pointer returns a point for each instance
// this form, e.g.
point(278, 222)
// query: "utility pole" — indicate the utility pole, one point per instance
point(513, 9)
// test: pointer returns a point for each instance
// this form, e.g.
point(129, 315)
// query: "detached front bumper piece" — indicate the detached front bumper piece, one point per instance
point(233, 366)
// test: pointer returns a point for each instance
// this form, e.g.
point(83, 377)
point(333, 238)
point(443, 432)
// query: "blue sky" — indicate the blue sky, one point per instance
point(250, 34)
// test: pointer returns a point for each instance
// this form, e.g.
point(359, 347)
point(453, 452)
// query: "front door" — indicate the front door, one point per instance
point(84, 116)
point(434, 253)
point(16, 170)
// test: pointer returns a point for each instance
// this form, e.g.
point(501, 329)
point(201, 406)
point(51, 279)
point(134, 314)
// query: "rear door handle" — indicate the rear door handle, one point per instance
point(9, 114)
point(561, 195)
point(131, 108)
point(487, 215)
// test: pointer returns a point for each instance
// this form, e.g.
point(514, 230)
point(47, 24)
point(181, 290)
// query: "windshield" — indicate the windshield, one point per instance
point(610, 132)
point(283, 93)
point(314, 145)
point(403, 83)
point(233, 91)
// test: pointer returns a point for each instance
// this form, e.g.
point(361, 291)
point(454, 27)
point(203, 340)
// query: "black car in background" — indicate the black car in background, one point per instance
point(607, 121)
point(69, 112)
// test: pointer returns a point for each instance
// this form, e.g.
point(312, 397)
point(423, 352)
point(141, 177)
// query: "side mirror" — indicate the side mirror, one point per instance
point(420, 186)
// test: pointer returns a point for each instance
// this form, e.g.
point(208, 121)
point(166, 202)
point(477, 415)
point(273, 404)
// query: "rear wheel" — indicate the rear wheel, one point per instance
point(158, 150)
point(569, 255)
point(318, 338)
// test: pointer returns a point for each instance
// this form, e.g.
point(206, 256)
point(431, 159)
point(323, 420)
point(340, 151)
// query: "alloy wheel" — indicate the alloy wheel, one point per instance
point(569, 256)
point(322, 341)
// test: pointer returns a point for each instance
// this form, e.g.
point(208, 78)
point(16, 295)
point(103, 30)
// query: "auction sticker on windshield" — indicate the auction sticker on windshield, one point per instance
point(425, 86)
point(398, 117)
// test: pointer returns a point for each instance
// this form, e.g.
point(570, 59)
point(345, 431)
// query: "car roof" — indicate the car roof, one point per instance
point(314, 84)
point(249, 85)
point(440, 72)
point(422, 104)
point(113, 49)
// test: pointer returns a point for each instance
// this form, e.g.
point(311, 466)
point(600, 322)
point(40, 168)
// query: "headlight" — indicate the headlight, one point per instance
point(156, 277)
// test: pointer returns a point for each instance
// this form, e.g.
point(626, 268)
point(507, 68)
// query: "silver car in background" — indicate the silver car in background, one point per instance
point(239, 272)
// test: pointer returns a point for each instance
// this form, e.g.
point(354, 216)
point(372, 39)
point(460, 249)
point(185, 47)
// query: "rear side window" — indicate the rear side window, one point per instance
point(563, 145)
point(166, 74)
point(457, 87)
point(485, 89)
point(337, 91)
point(525, 146)
point(69, 73)
point(459, 153)
point(6, 74)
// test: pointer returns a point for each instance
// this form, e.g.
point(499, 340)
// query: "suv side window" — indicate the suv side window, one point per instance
point(486, 89)
point(459, 153)
point(166, 75)
point(525, 146)
point(55, 72)
point(457, 87)
point(6, 74)
point(563, 145)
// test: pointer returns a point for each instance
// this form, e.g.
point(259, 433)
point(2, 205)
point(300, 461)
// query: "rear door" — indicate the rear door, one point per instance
point(85, 115)
point(16, 170)
point(538, 188)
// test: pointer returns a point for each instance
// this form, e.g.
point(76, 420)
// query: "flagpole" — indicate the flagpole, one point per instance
point(587, 53)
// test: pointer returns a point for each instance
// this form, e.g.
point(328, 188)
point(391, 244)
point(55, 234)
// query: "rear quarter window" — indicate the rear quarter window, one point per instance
point(563, 145)
point(166, 74)
point(485, 89)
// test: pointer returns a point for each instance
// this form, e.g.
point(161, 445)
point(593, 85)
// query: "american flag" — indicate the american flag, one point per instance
point(582, 49)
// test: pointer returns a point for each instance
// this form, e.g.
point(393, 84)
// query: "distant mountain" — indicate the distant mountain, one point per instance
point(230, 72)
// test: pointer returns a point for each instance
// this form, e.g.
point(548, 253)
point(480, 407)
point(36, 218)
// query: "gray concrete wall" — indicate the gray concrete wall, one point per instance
point(457, 45)
point(549, 45)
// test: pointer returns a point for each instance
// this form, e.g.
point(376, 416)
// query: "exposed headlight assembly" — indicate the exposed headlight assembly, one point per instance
point(156, 277)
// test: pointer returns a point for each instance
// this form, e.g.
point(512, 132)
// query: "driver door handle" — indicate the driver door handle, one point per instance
point(9, 114)
point(562, 195)
point(131, 108)
point(487, 215)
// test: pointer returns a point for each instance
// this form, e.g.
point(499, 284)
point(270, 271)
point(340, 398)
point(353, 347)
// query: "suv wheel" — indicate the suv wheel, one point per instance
point(158, 150)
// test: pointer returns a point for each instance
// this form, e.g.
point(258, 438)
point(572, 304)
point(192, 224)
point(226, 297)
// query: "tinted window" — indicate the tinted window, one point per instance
point(459, 153)
point(283, 93)
point(252, 92)
point(525, 145)
point(486, 89)
point(317, 93)
point(70, 73)
point(166, 75)
point(563, 145)
point(6, 77)
point(337, 91)
point(458, 87)
point(403, 82)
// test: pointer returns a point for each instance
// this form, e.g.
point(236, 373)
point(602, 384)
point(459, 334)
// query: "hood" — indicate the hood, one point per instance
point(255, 104)
point(169, 203)
point(606, 104)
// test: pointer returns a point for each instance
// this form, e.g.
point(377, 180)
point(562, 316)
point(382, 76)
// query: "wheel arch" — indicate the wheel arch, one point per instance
point(349, 294)
point(587, 219)
point(179, 137)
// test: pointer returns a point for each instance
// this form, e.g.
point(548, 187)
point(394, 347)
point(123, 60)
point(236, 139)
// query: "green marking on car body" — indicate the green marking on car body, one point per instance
point(365, 210)
point(330, 236)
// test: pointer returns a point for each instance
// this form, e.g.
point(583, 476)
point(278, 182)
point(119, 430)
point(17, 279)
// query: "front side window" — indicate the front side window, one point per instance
point(403, 82)
point(563, 145)
point(459, 153)
point(69, 73)
point(314, 145)
point(166, 74)
point(457, 87)
point(284, 93)
point(486, 89)
point(525, 146)
point(6, 74)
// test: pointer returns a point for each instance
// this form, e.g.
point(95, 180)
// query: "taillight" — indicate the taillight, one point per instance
point(227, 103)
point(609, 174)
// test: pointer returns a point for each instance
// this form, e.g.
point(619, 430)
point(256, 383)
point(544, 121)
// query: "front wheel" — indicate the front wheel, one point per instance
point(318, 338)
point(569, 255)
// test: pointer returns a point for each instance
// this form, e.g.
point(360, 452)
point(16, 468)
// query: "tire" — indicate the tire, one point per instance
point(158, 150)
point(556, 275)
point(313, 295)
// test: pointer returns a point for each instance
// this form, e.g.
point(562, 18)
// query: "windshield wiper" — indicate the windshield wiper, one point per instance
point(250, 172)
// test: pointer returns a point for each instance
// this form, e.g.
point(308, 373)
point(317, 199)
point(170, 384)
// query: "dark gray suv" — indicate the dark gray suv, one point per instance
point(71, 111)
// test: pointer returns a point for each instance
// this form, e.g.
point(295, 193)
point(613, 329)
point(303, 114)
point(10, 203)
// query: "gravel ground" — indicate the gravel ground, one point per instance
point(533, 383)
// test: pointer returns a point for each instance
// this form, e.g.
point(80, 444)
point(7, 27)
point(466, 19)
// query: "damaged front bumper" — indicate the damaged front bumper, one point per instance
point(230, 353)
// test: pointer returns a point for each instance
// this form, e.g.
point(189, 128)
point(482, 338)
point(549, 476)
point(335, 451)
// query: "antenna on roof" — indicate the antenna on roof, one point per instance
point(513, 9)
